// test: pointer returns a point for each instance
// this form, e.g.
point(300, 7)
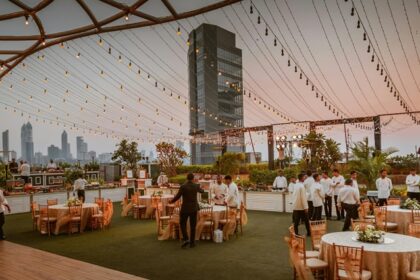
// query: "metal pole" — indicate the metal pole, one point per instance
point(270, 145)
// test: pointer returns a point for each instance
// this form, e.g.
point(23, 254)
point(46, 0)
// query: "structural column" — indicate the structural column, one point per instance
point(377, 131)
point(270, 145)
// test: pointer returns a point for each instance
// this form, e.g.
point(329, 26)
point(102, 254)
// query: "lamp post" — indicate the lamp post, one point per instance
point(285, 147)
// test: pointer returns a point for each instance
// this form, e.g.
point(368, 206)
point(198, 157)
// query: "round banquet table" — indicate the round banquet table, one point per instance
point(400, 216)
point(385, 261)
point(147, 200)
point(61, 211)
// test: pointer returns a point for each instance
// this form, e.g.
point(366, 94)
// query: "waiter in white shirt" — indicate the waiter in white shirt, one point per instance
point(219, 192)
point(292, 183)
point(232, 199)
point(3, 205)
point(348, 199)
point(353, 177)
point(384, 187)
point(338, 183)
point(300, 205)
point(318, 196)
point(327, 183)
point(308, 185)
point(79, 187)
point(280, 183)
point(412, 181)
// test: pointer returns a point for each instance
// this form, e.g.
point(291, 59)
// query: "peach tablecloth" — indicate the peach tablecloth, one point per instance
point(147, 200)
point(61, 211)
point(385, 261)
point(400, 216)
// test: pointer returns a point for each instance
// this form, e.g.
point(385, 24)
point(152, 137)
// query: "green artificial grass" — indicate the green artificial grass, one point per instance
point(131, 246)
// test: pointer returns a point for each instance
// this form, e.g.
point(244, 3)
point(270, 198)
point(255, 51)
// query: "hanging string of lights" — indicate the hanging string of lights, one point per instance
point(380, 66)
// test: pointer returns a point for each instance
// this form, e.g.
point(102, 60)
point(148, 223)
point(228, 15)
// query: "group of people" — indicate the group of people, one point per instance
point(23, 168)
point(313, 192)
point(225, 193)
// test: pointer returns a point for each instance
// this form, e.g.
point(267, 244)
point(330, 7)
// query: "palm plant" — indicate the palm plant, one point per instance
point(368, 162)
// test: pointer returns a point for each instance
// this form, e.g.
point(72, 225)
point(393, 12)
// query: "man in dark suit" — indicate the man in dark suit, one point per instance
point(189, 208)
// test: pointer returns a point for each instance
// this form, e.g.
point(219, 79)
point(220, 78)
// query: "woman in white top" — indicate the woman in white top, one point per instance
point(384, 187)
point(318, 197)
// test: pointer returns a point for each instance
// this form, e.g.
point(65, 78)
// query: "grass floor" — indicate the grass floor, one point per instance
point(131, 246)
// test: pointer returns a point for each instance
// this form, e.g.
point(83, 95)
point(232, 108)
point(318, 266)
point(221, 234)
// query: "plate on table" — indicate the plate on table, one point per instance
point(387, 240)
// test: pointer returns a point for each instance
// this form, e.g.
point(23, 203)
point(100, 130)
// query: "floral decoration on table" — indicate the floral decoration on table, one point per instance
point(370, 235)
point(157, 194)
point(411, 204)
point(73, 201)
point(203, 204)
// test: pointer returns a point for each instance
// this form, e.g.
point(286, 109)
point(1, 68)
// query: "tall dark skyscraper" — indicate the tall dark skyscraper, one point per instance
point(65, 147)
point(5, 143)
point(27, 144)
point(215, 88)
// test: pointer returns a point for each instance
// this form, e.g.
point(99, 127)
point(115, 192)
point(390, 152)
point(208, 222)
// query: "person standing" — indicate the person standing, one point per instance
point(292, 183)
point(232, 199)
point(13, 166)
point(25, 172)
point(327, 183)
point(300, 206)
point(280, 183)
point(348, 199)
point(412, 181)
point(189, 209)
point(51, 165)
point(219, 192)
point(353, 177)
point(308, 187)
point(79, 187)
point(337, 184)
point(3, 205)
point(384, 187)
point(318, 197)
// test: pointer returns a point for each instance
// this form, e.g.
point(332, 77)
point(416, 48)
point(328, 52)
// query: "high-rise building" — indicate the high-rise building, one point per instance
point(105, 158)
point(81, 149)
point(91, 155)
point(27, 144)
point(215, 89)
point(54, 152)
point(5, 143)
point(65, 146)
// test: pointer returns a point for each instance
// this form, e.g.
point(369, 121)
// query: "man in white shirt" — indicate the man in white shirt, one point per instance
point(413, 181)
point(327, 183)
point(219, 192)
point(51, 165)
point(348, 199)
point(353, 177)
point(300, 205)
point(25, 172)
point(3, 205)
point(79, 187)
point(338, 183)
point(280, 183)
point(292, 183)
point(232, 199)
point(318, 196)
point(308, 185)
point(384, 187)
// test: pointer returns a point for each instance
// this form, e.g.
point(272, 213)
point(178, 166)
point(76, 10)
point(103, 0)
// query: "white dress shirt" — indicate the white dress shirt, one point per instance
point(79, 184)
point(280, 182)
point(356, 187)
point(337, 179)
point(220, 191)
point(3, 201)
point(233, 199)
point(308, 187)
point(299, 200)
point(348, 195)
point(317, 194)
point(412, 182)
point(384, 187)
point(51, 165)
point(25, 170)
point(291, 187)
point(327, 186)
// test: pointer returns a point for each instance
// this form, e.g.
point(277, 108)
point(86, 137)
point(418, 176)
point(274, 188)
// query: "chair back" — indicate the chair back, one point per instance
point(100, 201)
point(75, 211)
point(44, 212)
point(415, 216)
point(206, 213)
point(349, 259)
point(361, 224)
point(291, 230)
point(381, 217)
point(414, 229)
point(364, 209)
point(52, 201)
point(300, 245)
point(318, 229)
point(34, 209)
point(394, 201)
point(302, 271)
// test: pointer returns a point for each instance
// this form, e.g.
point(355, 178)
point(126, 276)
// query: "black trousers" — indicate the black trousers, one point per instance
point(340, 213)
point(310, 208)
point(1, 225)
point(328, 206)
point(382, 201)
point(317, 213)
point(81, 195)
point(298, 216)
point(193, 222)
point(351, 213)
point(414, 195)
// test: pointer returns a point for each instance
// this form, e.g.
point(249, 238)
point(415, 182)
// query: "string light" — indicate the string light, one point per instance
point(26, 20)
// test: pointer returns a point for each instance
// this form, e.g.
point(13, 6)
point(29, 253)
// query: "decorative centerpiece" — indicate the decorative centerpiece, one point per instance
point(157, 194)
point(73, 201)
point(411, 204)
point(370, 235)
point(203, 204)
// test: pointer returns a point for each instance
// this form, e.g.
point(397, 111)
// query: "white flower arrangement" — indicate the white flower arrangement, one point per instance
point(411, 204)
point(73, 201)
point(370, 235)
